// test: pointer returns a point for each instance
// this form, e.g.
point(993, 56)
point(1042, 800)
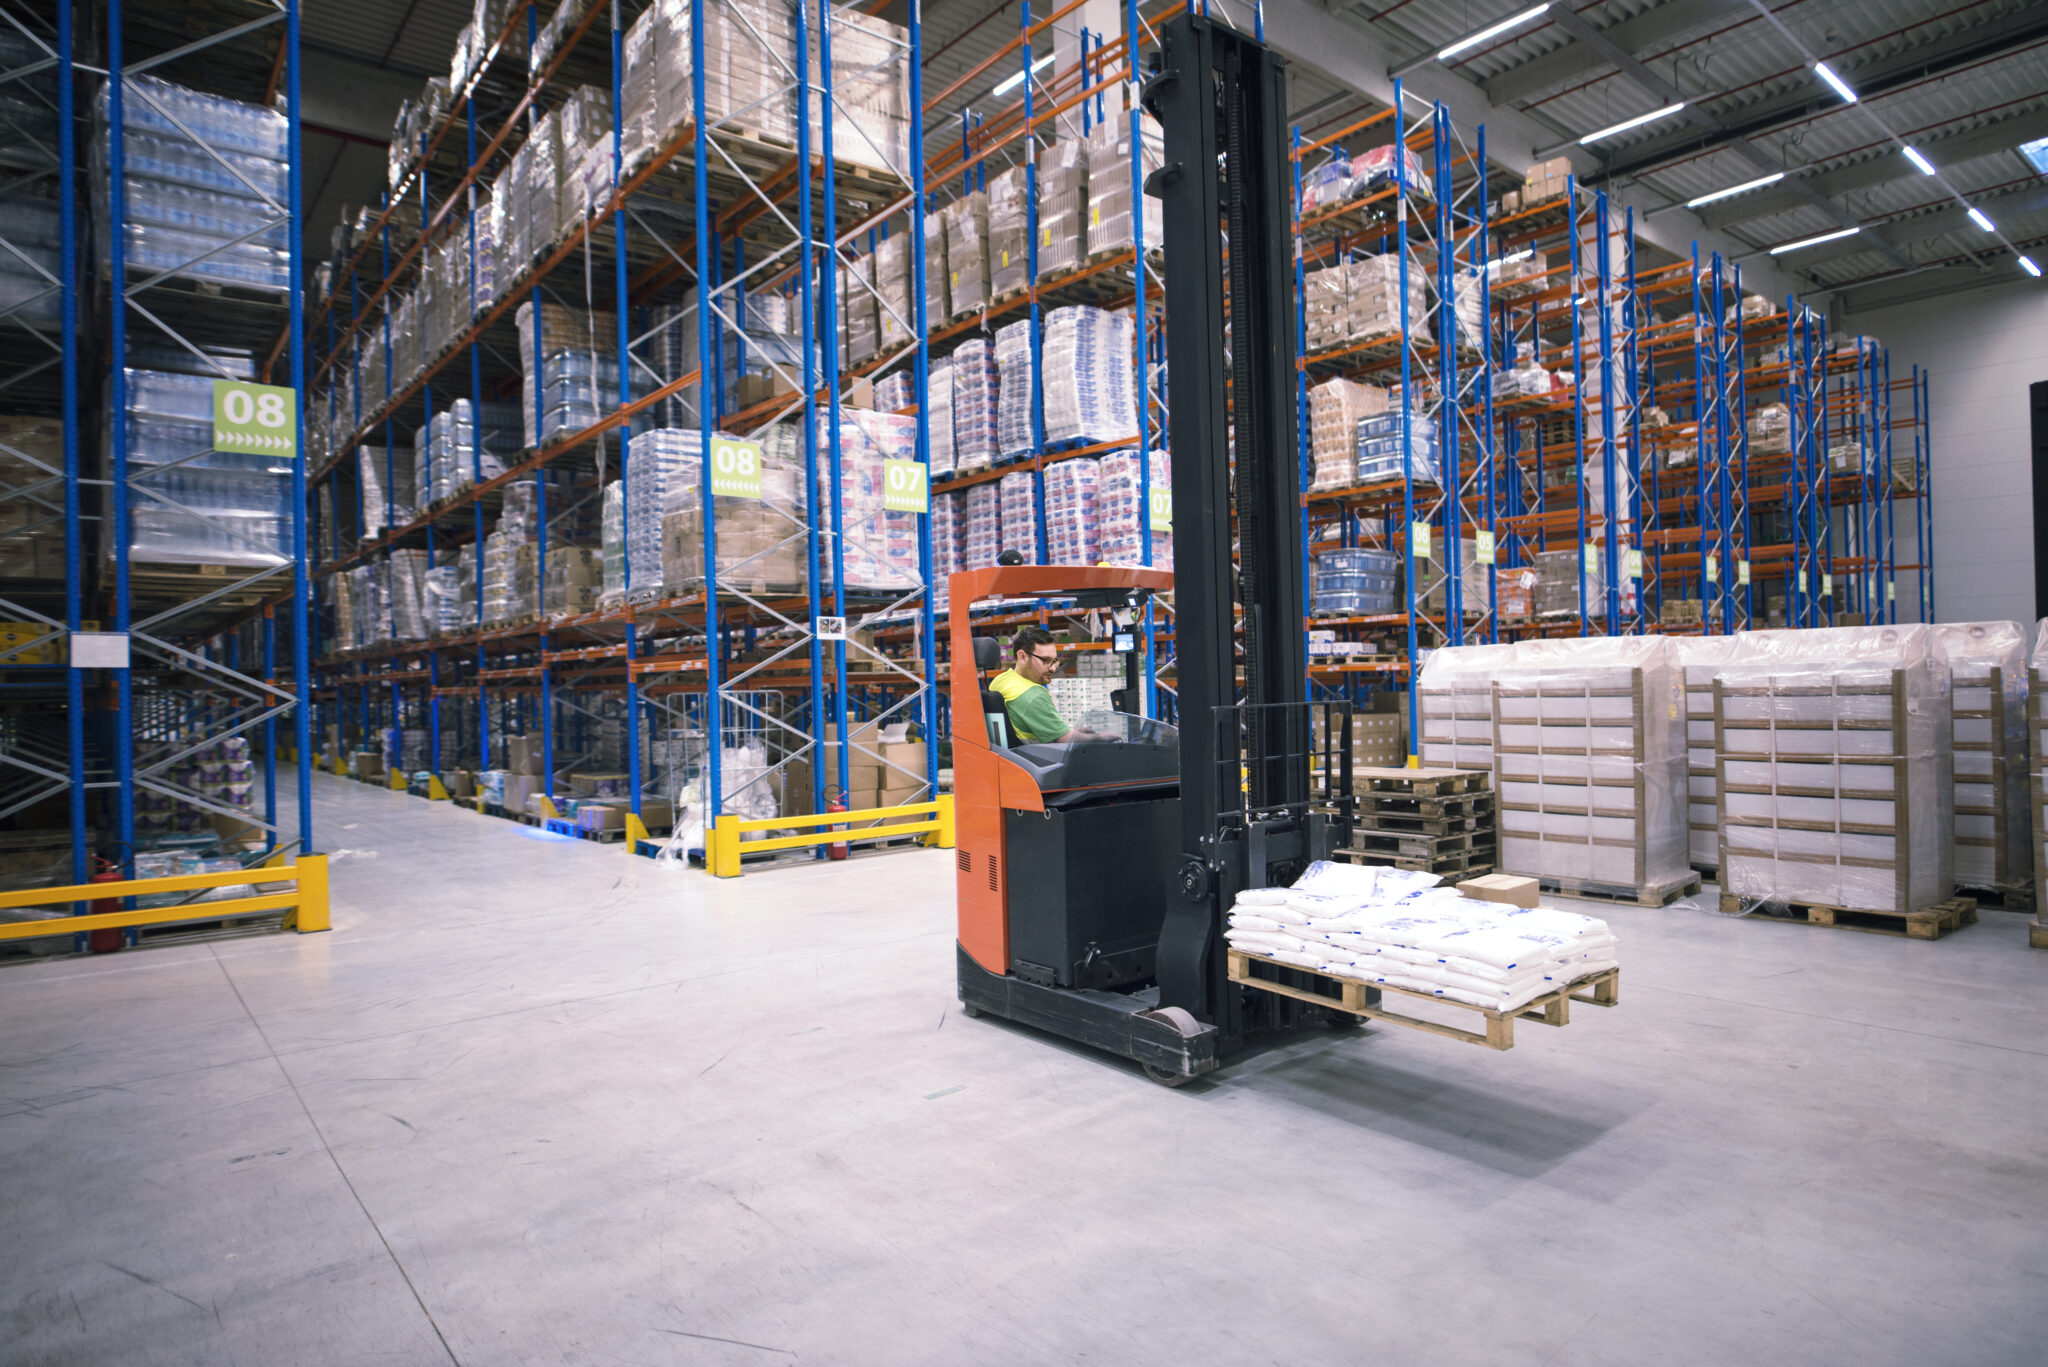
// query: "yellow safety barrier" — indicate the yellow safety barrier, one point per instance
point(304, 903)
point(723, 844)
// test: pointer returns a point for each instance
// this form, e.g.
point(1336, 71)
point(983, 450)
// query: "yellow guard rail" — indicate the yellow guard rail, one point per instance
point(304, 903)
point(723, 844)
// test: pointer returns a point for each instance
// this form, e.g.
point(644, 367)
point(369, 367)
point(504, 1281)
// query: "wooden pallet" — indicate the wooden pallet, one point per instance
point(1365, 999)
point(1655, 895)
point(1928, 923)
point(1467, 863)
point(1420, 782)
point(2020, 898)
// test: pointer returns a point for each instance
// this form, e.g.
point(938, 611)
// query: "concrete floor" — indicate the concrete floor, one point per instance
point(543, 1103)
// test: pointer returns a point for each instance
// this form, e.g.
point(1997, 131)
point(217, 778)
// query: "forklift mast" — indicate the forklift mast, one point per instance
point(1224, 187)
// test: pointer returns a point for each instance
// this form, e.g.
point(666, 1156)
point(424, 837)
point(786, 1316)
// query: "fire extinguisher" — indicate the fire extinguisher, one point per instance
point(835, 801)
point(105, 939)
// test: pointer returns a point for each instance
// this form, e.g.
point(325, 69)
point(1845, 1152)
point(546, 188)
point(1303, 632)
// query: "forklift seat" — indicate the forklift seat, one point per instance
point(988, 659)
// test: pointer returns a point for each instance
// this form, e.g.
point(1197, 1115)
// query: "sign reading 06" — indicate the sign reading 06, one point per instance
point(735, 468)
point(258, 418)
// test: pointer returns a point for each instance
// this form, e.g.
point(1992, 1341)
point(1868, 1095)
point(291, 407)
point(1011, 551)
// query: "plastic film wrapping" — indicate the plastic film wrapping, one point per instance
point(1835, 768)
point(1589, 761)
point(1988, 725)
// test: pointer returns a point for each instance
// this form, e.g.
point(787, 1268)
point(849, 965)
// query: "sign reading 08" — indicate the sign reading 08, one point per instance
point(735, 468)
point(258, 418)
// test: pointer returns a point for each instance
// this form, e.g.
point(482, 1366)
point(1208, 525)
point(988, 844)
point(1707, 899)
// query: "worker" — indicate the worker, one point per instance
point(1034, 659)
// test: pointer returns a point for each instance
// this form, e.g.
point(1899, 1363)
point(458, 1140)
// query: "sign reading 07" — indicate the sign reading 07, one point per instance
point(735, 468)
point(257, 418)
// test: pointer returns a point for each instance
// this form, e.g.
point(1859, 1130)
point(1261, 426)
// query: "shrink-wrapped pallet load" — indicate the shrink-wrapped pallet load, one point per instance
point(1835, 769)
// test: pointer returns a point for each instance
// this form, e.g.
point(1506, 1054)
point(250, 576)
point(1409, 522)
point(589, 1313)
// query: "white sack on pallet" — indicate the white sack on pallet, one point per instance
point(1838, 731)
point(1992, 812)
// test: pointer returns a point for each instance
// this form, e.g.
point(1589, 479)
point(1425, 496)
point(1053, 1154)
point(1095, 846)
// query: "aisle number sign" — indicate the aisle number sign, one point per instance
point(905, 488)
point(1482, 544)
point(1420, 538)
point(735, 468)
point(261, 419)
point(1161, 511)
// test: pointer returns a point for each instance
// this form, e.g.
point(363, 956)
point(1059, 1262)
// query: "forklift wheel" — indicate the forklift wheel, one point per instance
point(1166, 1079)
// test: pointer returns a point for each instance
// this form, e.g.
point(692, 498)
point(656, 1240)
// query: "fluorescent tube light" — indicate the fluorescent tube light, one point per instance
point(1494, 31)
point(1012, 82)
point(1637, 122)
point(1827, 73)
point(1814, 241)
point(1771, 179)
point(1926, 166)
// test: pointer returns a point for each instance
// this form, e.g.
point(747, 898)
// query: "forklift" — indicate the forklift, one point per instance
point(1095, 875)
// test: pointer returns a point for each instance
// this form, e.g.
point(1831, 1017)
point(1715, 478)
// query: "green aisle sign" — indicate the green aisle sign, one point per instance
point(905, 488)
point(261, 419)
point(735, 468)
point(1162, 508)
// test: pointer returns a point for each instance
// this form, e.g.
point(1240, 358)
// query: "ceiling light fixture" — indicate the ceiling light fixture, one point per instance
point(1637, 122)
point(1012, 82)
point(1771, 179)
point(1495, 30)
point(1977, 217)
point(1913, 155)
point(1783, 247)
point(1827, 73)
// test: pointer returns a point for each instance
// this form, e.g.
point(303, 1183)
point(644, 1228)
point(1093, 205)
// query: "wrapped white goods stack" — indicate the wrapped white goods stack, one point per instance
point(1062, 203)
point(976, 405)
point(1110, 180)
point(1699, 659)
point(1454, 696)
point(1397, 928)
point(1013, 399)
point(1335, 408)
point(880, 545)
point(981, 529)
point(1009, 244)
point(576, 356)
point(1124, 515)
point(939, 421)
point(1836, 769)
point(387, 484)
point(1072, 512)
point(1988, 711)
point(1020, 515)
point(1589, 763)
point(966, 222)
point(1089, 393)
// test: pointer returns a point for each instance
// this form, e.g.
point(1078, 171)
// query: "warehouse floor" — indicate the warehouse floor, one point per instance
point(536, 1102)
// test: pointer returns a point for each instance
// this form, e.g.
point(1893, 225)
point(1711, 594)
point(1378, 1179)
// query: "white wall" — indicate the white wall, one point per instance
point(1982, 349)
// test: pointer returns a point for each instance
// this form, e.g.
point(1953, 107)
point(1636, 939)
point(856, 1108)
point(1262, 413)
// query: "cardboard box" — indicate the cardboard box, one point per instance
point(1507, 888)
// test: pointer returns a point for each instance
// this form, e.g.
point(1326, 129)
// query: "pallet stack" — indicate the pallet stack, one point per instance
point(1437, 821)
point(1834, 768)
point(1988, 713)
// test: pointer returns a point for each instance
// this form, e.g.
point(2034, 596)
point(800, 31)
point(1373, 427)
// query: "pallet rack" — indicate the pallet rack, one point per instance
point(159, 294)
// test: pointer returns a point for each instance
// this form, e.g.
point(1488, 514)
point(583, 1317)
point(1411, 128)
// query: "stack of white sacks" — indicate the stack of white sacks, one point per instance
point(1396, 928)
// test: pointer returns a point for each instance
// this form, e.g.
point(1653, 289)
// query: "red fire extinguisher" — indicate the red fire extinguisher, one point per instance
point(106, 939)
point(835, 801)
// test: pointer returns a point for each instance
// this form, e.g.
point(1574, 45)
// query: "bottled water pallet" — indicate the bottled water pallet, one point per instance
point(1928, 923)
point(1653, 895)
point(1367, 999)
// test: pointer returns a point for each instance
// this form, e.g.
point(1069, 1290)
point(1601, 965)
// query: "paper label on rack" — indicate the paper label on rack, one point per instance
point(1592, 557)
point(735, 468)
point(1419, 538)
point(1482, 544)
point(1713, 568)
point(257, 418)
point(1635, 564)
point(1161, 511)
point(1742, 571)
point(905, 488)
